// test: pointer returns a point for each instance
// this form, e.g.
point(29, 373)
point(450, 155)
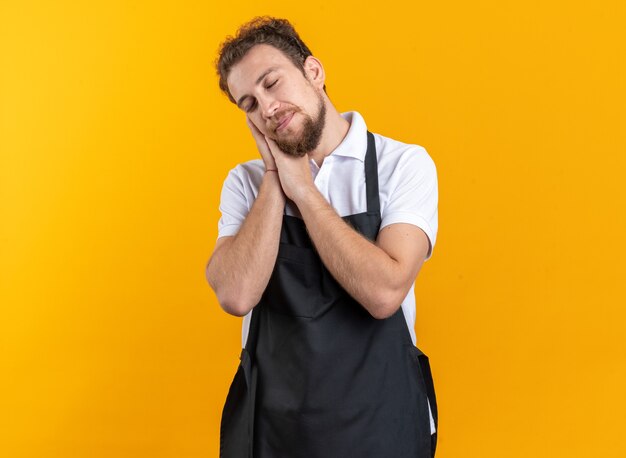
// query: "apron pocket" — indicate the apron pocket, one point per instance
point(295, 281)
point(339, 432)
point(297, 254)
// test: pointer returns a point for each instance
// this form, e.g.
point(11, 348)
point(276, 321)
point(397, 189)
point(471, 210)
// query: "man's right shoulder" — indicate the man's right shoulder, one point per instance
point(249, 173)
point(250, 168)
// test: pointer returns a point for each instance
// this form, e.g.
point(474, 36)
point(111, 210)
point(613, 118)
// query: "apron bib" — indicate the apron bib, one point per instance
point(320, 377)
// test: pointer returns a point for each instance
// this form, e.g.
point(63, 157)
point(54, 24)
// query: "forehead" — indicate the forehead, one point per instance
point(257, 60)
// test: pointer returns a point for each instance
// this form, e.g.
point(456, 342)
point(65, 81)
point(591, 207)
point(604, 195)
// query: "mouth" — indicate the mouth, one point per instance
point(283, 123)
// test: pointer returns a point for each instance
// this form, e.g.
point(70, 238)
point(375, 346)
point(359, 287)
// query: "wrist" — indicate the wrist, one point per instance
point(306, 196)
point(272, 182)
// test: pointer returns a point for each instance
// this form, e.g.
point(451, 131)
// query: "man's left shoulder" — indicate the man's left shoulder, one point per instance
point(394, 152)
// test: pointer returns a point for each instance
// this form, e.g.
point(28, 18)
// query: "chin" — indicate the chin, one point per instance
point(290, 137)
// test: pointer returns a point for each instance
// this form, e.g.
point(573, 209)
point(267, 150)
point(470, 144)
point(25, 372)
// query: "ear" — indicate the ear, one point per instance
point(314, 70)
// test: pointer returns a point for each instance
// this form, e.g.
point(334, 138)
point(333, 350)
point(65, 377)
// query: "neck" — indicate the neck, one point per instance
point(335, 130)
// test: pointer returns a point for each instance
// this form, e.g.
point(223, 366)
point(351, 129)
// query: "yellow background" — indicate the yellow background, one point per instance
point(115, 141)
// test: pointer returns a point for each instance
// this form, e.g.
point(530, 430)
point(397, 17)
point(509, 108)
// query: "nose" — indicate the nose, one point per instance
point(269, 106)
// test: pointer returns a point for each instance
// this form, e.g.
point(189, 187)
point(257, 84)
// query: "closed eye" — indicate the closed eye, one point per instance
point(251, 107)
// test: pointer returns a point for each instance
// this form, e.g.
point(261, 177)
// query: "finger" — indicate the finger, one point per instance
point(250, 123)
point(272, 145)
point(256, 132)
point(259, 138)
point(271, 142)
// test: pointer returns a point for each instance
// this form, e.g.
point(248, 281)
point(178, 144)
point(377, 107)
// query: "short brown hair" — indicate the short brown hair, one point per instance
point(275, 32)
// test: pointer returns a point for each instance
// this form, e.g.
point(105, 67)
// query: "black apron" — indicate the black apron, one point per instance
point(319, 376)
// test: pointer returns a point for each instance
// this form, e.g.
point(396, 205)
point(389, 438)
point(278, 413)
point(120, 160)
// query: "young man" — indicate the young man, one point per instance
point(319, 245)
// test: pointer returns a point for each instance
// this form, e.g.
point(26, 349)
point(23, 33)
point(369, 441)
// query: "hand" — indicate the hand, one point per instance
point(294, 172)
point(261, 145)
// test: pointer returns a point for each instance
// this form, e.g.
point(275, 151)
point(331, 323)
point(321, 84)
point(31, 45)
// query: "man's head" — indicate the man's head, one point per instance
point(271, 75)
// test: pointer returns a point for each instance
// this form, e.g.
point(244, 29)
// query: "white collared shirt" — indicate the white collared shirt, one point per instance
point(407, 181)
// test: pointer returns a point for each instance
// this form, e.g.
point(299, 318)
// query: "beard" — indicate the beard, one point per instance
point(307, 141)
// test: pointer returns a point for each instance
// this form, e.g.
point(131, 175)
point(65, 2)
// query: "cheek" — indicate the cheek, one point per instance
point(292, 94)
point(308, 99)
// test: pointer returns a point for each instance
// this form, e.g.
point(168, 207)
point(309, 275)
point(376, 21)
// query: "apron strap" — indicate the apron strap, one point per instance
point(371, 176)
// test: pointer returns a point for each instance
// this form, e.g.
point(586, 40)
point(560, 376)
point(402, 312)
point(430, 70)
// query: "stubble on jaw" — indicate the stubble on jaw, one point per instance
point(310, 137)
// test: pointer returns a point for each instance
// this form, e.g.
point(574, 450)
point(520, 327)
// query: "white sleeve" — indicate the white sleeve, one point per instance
point(413, 196)
point(233, 204)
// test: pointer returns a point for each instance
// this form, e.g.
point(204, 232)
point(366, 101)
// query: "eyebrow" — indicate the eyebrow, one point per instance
point(258, 80)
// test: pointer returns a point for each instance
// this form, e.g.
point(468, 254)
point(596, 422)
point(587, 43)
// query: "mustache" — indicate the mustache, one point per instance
point(280, 117)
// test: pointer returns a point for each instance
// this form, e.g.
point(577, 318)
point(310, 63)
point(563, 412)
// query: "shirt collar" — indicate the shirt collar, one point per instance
point(354, 143)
